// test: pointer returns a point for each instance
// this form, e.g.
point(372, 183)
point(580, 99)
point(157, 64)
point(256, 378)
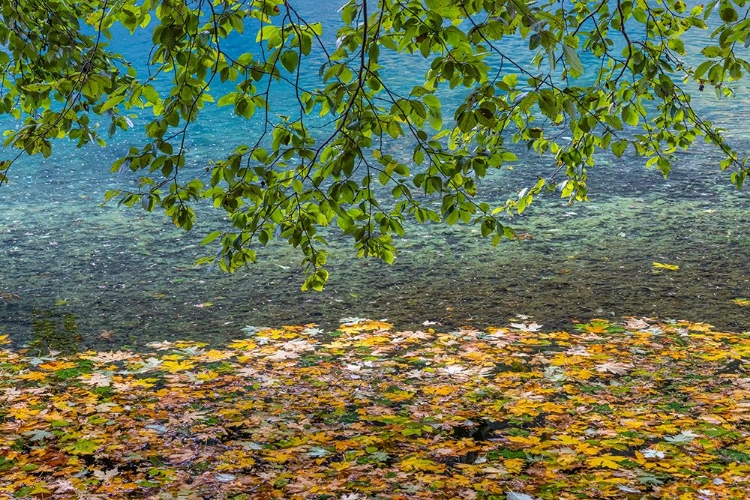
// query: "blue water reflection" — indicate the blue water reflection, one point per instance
point(76, 274)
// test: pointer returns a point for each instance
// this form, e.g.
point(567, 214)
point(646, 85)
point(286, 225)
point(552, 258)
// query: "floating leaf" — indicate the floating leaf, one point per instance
point(253, 330)
point(669, 267)
point(531, 327)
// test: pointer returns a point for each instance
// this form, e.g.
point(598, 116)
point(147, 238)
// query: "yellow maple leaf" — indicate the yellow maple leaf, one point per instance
point(587, 449)
point(185, 344)
point(346, 444)
point(146, 383)
point(552, 407)
point(416, 463)
point(54, 366)
point(739, 301)
point(696, 327)
point(583, 374)
point(177, 366)
point(278, 456)
point(556, 335)
point(39, 489)
point(22, 413)
point(514, 465)
point(567, 440)
point(598, 327)
point(559, 360)
point(669, 267)
point(523, 407)
point(715, 355)
point(440, 390)
point(215, 355)
point(207, 375)
point(374, 340)
point(32, 376)
point(525, 441)
point(608, 461)
point(632, 423)
point(243, 345)
point(337, 344)
point(397, 396)
point(173, 357)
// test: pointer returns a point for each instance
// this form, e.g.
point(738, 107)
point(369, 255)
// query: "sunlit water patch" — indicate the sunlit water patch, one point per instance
point(76, 273)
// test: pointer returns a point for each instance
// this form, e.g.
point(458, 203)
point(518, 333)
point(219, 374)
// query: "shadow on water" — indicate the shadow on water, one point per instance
point(54, 331)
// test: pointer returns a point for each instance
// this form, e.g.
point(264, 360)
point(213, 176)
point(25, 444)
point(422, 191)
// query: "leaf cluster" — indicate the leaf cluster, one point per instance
point(637, 409)
point(569, 81)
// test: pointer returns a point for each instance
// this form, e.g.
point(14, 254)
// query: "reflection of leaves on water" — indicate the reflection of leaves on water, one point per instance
point(106, 335)
point(54, 331)
point(6, 296)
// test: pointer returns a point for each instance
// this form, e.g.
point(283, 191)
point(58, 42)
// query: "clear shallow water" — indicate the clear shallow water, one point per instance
point(76, 275)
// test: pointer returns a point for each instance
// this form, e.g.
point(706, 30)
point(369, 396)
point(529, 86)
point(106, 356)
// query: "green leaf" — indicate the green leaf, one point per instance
point(111, 103)
point(211, 237)
point(289, 60)
point(702, 68)
point(571, 56)
point(83, 447)
point(227, 99)
point(727, 12)
point(629, 115)
point(150, 93)
point(618, 147)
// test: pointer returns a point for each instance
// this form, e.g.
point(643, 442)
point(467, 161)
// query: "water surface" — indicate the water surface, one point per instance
point(76, 274)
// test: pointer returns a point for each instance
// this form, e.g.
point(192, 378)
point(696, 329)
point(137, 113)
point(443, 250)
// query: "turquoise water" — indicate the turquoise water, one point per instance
point(76, 274)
